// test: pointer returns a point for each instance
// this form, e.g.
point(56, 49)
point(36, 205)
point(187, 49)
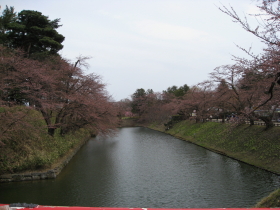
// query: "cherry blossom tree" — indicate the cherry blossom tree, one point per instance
point(124, 108)
point(155, 109)
point(66, 97)
point(256, 92)
point(199, 100)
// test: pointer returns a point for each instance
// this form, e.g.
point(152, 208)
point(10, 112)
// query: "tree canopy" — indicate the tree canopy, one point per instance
point(33, 75)
point(30, 31)
point(178, 91)
point(67, 98)
point(8, 16)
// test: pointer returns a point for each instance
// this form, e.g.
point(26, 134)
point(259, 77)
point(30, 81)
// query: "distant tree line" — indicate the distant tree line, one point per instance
point(153, 106)
point(245, 90)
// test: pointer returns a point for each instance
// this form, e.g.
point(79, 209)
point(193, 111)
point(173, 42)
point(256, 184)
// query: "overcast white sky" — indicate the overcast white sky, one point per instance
point(150, 44)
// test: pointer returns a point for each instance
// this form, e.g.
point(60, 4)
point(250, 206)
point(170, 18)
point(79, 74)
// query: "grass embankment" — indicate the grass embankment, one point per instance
point(27, 146)
point(250, 144)
point(273, 200)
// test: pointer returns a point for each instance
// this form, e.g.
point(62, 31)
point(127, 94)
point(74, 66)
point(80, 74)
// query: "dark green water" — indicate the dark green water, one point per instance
point(143, 168)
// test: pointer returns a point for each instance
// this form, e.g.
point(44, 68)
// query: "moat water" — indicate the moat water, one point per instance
point(144, 168)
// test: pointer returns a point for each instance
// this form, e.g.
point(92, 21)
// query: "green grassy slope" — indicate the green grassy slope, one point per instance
point(29, 147)
point(250, 144)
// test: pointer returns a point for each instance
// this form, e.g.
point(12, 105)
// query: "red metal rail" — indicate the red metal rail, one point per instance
point(6, 207)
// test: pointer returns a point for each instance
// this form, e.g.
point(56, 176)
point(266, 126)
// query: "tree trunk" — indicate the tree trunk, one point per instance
point(47, 118)
point(28, 50)
point(252, 121)
point(51, 131)
point(268, 122)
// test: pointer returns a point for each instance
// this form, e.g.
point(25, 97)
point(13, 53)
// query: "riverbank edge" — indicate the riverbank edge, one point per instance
point(47, 173)
point(270, 201)
point(191, 139)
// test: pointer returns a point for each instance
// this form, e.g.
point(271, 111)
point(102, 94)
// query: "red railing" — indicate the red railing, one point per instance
point(6, 207)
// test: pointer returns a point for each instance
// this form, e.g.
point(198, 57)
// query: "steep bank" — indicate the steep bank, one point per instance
point(48, 171)
point(27, 147)
point(250, 144)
